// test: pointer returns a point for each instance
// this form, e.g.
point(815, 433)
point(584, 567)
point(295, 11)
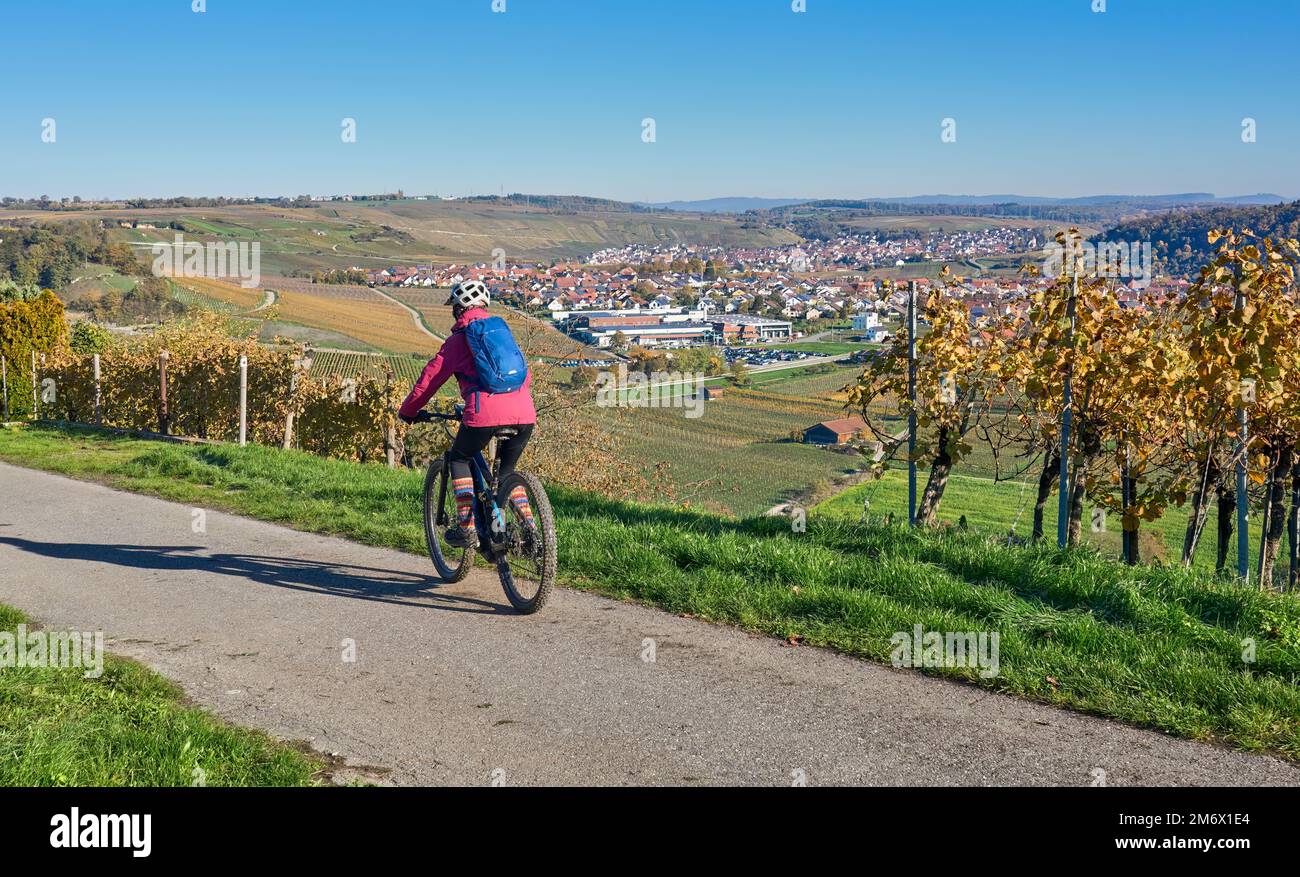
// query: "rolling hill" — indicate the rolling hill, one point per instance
point(341, 234)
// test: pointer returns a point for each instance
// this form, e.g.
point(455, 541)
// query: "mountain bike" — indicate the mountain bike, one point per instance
point(523, 552)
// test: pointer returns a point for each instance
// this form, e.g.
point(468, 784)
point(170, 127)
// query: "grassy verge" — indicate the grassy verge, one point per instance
point(127, 727)
point(823, 348)
point(1153, 646)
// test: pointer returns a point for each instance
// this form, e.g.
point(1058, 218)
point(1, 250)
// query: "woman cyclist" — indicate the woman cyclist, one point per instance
point(485, 412)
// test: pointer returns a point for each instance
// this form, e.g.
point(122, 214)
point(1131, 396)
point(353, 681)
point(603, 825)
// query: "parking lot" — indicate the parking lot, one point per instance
point(755, 356)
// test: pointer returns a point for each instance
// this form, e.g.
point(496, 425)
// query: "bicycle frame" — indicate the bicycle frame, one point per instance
point(485, 504)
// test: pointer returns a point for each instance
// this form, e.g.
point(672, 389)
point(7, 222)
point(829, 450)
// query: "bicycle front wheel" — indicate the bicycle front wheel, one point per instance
point(527, 568)
point(452, 564)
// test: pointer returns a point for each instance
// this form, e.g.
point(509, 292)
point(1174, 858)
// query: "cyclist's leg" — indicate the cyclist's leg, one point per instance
point(469, 441)
point(510, 450)
point(508, 453)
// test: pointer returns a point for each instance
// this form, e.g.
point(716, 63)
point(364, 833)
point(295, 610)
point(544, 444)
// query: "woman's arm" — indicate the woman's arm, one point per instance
point(435, 374)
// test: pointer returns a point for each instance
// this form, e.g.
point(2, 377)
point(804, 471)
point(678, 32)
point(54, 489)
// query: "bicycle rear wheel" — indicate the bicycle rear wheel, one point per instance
point(452, 564)
point(527, 569)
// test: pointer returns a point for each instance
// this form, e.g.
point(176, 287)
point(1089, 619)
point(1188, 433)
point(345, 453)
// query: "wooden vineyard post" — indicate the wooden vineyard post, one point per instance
point(4, 379)
point(164, 415)
point(390, 424)
point(243, 400)
point(99, 415)
point(299, 365)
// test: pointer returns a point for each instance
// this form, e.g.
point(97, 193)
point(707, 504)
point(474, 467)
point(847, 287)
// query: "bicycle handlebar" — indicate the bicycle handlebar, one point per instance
point(430, 416)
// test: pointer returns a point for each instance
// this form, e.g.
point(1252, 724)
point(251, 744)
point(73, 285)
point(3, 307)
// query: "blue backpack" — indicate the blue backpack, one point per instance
point(498, 362)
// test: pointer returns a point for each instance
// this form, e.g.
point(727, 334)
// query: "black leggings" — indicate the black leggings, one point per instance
point(470, 440)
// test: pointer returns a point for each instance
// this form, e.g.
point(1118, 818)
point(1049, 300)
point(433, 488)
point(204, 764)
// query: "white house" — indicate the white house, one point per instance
point(864, 320)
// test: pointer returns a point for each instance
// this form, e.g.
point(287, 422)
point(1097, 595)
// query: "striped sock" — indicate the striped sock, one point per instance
point(519, 499)
point(464, 488)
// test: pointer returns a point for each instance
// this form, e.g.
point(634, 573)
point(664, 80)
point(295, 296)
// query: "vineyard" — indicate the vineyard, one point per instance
point(231, 294)
point(380, 323)
point(185, 379)
point(737, 457)
point(1176, 414)
point(323, 290)
point(349, 311)
point(193, 299)
point(371, 365)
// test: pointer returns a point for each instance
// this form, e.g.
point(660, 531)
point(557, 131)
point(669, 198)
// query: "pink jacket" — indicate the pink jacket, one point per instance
point(481, 407)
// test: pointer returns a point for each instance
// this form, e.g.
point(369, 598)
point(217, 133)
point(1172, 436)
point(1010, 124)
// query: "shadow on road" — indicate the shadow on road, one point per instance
point(322, 577)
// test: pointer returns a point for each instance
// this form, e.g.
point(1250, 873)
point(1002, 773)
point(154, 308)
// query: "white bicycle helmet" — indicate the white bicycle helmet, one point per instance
point(469, 294)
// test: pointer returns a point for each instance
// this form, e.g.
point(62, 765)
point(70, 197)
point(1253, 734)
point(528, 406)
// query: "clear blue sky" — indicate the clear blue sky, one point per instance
point(749, 98)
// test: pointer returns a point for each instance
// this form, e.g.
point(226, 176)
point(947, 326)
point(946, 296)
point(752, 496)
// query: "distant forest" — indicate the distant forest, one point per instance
point(49, 255)
point(1180, 238)
point(822, 220)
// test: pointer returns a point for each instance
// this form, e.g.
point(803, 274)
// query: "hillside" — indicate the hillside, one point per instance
point(1181, 236)
point(341, 234)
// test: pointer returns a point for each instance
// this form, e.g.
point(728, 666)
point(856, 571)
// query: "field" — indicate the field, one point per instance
point(823, 348)
point(376, 322)
point(269, 331)
point(927, 223)
point(191, 297)
point(739, 457)
point(323, 290)
point(808, 383)
point(385, 325)
point(93, 280)
point(378, 233)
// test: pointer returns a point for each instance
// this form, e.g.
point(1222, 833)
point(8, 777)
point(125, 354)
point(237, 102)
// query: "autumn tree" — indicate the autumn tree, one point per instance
point(957, 378)
point(1076, 331)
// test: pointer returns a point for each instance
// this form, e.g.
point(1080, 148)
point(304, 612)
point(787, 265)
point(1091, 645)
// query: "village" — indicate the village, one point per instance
point(681, 296)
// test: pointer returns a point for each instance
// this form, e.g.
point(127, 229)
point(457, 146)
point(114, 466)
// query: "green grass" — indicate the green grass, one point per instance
point(993, 507)
point(822, 348)
point(127, 727)
point(1154, 646)
point(821, 381)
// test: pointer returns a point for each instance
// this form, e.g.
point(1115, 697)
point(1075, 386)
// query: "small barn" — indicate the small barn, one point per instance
point(834, 432)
